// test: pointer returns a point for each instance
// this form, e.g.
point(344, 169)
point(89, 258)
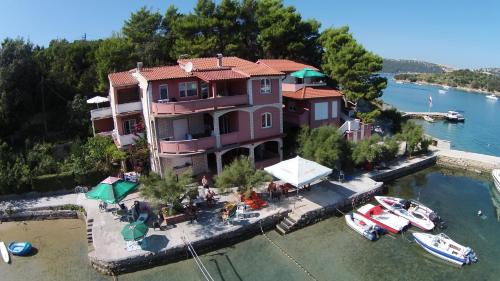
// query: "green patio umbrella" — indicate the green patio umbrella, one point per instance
point(134, 231)
point(111, 190)
point(306, 73)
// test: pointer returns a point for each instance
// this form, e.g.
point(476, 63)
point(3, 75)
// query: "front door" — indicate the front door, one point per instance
point(181, 129)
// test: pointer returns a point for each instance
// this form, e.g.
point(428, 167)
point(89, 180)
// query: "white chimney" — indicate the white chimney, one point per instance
point(219, 60)
point(139, 66)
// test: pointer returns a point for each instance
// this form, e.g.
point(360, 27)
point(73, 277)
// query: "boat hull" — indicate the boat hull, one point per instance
point(460, 255)
point(496, 178)
point(391, 203)
point(385, 219)
point(20, 248)
point(369, 230)
point(4, 252)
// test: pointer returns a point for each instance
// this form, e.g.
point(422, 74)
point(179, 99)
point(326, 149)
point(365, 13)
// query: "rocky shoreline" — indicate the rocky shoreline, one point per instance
point(467, 89)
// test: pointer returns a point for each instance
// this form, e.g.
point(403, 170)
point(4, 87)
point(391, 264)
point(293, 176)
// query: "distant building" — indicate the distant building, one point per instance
point(309, 101)
point(201, 113)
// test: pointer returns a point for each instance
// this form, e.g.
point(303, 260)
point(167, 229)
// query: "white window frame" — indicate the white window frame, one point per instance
point(159, 91)
point(265, 86)
point(267, 120)
point(132, 122)
point(183, 93)
point(320, 115)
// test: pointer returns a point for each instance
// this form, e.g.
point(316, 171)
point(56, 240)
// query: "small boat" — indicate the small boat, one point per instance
point(20, 248)
point(446, 87)
point(416, 213)
point(443, 247)
point(364, 226)
point(442, 91)
point(454, 116)
point(4, 252)
point(399, 82)
point(496, 178)
point(492, 97)
point(384, 219)
point(428, 118)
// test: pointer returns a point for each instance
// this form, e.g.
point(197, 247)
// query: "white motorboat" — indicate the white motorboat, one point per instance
point(4, 252)
point(363, 226)
point(428, 118)
point(383, 218)
point(454, 116)
point(492, 97)
point(441, 91)
point(399, 82)
point(446, 87)
point(496, 178)
point(443, 247)
point(416, 213)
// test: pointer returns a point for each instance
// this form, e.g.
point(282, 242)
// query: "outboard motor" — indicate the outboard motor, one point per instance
point(437, 220)
point(406, 204)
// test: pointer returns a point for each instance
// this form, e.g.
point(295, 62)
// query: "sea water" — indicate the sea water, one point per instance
point(329, 250)
point(479, 133)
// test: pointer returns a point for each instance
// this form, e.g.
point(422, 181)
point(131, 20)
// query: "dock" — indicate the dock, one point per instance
point(420, 115)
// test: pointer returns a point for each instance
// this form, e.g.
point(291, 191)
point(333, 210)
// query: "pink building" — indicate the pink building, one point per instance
point(309, 101)
point(201, 113)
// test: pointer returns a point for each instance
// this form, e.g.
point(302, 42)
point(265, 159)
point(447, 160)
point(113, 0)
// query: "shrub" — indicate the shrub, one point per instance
point(53, 182)
point(90, 178)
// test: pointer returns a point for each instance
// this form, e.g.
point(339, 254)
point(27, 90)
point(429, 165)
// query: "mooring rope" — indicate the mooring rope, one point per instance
point(197, 260)
point(288, 255)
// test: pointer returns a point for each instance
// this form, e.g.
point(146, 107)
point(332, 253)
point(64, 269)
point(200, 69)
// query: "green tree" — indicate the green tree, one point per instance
point(114, 54)
point(14, 173)
point(323, 145)
point(170, 189)
point(413, 135)
point(352, 67)
point(241, 174)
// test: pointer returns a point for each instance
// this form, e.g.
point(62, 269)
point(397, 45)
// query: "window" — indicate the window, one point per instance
point(188, 89)
point(321, 111)
point(164, 92)
point(128, 126)
point(266, 120)
point(204, 90)
point(335, 107)
point(265, 86)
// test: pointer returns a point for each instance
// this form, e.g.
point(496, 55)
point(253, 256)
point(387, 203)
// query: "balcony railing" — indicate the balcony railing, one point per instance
point(100, 113)
point(296, 118)
point(128, 107)
point(187, 146)
point(229, 138)
point(124, 140)
point(198, 104)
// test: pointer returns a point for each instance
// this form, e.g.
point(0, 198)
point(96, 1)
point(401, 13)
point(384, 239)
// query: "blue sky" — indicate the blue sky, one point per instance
point(458, 33)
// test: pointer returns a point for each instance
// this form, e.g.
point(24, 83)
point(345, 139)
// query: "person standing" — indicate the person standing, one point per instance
point(204, 182)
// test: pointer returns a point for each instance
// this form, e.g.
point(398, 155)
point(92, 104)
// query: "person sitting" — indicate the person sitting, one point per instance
point(159, 219)
point(191, 212)
point(271, 187)
point(224, 215)
point(103, 206)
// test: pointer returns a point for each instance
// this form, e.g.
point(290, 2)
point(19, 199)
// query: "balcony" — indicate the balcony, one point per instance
point(187, 146)
point(99, 113)
point(124, 140)
point(296, 118)
point(230, 138)
point(198, 104)
point(128, 107)
point(289, 87)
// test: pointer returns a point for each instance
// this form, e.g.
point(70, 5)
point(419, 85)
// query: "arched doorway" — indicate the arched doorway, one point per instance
point(229, 156)
point(267, 154)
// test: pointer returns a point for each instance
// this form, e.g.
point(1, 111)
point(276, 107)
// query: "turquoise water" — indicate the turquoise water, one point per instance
point(329, 250)
point(481, 131)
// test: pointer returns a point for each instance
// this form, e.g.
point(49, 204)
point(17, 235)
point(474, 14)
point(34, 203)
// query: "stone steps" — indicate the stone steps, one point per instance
point(286, 225)
point(90, 224)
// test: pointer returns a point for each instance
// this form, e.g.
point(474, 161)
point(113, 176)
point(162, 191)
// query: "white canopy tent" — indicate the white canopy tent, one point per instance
point(298, 171)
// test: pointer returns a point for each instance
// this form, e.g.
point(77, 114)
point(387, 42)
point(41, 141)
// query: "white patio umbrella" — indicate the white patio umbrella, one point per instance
point(298, 171)
point(97, 100)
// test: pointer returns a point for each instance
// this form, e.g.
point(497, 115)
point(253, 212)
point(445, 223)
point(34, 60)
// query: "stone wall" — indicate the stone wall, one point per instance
point(201, 245)
point(465, 163)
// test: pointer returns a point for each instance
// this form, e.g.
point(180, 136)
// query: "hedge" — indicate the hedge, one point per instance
point(91, 178)
point(53, 182)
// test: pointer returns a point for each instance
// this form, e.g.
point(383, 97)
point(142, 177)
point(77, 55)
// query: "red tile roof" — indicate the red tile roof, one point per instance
point(312, 93)
point(120, 79)
point(164, 72)
point(285, 65)
point(217, 75)
point(211, 63)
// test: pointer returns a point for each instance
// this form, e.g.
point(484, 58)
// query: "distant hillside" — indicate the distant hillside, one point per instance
point(464, 78)
point(411, 66)
point(491, 70)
